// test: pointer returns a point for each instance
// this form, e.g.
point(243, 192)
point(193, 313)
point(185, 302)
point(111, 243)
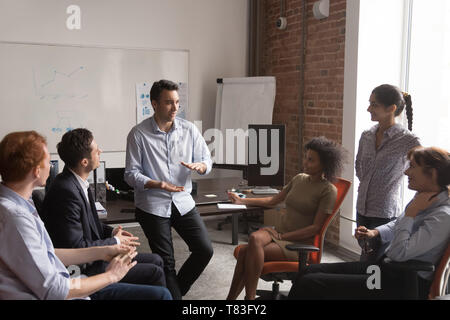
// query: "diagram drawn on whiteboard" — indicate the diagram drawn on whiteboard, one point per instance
point(56, 84)
point(65, 122)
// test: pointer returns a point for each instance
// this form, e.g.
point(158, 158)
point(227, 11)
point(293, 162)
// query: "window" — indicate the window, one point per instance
point(428, 76)
point(405, 43)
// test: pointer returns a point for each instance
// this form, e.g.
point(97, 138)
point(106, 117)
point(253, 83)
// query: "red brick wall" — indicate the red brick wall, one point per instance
point(323, 77)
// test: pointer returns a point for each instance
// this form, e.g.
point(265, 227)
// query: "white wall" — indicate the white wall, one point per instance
point(214, 32)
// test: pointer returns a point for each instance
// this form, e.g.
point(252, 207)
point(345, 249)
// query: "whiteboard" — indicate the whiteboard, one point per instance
point(240, 102)
point(55, 88)
point(244, 101)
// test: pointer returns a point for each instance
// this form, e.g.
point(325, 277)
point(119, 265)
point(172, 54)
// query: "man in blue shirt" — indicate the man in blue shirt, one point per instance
point(161, 153)
point(30, 267)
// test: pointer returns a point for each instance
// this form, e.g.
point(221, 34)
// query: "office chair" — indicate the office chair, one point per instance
point(38, 198)
point(408, 269)
point(277, 271)
point(440, 285)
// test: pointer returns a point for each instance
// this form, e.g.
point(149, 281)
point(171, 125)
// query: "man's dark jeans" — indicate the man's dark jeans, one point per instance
point(192, 230)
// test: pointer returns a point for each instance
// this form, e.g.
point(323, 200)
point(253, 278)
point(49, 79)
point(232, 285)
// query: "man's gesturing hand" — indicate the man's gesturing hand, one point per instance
point(163, 185)
point(200, 167)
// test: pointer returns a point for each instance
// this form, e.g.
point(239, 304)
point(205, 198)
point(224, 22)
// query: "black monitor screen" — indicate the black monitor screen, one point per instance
point(266, 155)
point(114, 176)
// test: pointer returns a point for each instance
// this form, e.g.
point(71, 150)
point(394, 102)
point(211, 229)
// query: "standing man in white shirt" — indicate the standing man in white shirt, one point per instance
point(161, 153)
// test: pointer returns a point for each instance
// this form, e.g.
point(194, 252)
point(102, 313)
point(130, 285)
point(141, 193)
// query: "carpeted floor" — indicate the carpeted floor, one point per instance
point(215, 280)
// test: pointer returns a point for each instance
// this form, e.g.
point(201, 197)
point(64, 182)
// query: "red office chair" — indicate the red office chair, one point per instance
point(277, 271)
point(440, 284)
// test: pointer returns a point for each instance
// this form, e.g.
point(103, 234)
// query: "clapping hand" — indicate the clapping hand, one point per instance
point(109, 252)
point(125, 237)
point(121, 263)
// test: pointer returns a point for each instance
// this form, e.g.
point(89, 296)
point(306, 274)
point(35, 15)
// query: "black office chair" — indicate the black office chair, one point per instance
point(38, 199)
point(409, 269)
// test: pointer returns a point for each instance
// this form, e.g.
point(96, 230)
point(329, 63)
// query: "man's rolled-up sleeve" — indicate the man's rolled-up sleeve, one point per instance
point(133, 165)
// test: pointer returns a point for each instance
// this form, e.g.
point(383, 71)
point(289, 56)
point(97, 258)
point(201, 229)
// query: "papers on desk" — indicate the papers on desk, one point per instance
point(231, 206)
point(101, 211)
point(265, 191)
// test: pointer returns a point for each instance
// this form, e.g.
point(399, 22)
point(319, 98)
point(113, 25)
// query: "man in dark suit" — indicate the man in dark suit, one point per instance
point(71, 218)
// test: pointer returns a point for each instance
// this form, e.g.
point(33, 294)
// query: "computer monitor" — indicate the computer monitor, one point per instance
point(266, 155)
point(119, 189)
point(114, 176)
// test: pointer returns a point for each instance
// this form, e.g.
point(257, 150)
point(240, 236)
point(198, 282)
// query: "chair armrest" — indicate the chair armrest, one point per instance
point(303, 250)
point(301, 247)
point(410, 265)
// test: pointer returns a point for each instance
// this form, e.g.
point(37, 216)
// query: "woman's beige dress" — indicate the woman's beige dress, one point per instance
point(304, 199)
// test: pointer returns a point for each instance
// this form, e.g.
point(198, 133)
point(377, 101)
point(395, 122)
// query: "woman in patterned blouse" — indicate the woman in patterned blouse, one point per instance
point(381, 161)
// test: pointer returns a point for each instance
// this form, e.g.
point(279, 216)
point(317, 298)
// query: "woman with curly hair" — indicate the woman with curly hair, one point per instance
point(309, 198)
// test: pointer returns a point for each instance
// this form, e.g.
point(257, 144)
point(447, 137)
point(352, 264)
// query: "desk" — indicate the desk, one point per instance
point(122, 211)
